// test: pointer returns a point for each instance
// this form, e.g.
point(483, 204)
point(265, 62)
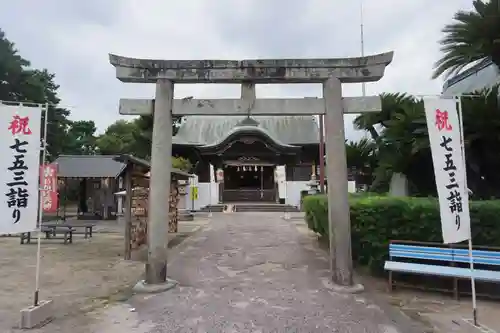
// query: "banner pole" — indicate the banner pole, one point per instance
point(471, 260)
point(210, 191)
point(473, 285)
point(40, 211)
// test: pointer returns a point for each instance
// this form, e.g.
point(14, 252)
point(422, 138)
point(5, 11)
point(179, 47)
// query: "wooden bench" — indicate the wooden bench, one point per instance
point(87, 227)
point(66, 234)
point(434, 259)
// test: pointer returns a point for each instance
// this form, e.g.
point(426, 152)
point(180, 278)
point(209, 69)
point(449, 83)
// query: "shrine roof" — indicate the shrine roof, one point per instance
point(88, 166)
point(481, 75)
point(209, 130)
point(102, 166)
point(130, 159)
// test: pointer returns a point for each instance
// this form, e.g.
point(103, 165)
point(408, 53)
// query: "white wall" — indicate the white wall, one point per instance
point(351, 186)
point(289, 190)
point(204, 198)
point(293, 189)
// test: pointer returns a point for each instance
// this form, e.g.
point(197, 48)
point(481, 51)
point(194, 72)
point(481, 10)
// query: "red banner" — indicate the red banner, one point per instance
point(48, 186)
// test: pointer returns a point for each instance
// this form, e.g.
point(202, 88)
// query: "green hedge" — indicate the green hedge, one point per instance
point(375, 220)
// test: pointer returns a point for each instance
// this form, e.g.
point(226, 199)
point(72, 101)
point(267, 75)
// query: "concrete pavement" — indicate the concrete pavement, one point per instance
point(247, 272)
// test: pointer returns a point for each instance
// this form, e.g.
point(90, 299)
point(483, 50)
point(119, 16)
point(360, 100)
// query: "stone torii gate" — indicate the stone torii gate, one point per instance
point(330, 72)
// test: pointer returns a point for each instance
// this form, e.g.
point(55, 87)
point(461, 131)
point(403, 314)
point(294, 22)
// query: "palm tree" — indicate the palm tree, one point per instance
point(402, 135)
point(481, 118)
point(474, 35)
point(360, 153)
point(361, 159)
point(403, 152)
point(391, 104)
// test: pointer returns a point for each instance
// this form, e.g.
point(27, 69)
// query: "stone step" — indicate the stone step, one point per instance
point(254, 207)
point(265, 208)
point(185, 215)
point(219, 208)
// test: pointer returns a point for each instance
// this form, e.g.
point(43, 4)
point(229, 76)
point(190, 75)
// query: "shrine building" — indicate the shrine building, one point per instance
point(261, 159)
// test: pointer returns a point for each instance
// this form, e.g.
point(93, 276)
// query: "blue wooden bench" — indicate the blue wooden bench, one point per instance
point(436, 260)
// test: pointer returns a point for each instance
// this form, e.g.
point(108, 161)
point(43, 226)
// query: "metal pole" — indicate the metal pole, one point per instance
point(40, 211)
point(321, 153)
point(362, 34)
point(191, 193)
point(210, 191)
point(287, 216)
point(471, 260)
point(65, 198)
point(58, 195)
point(473, 285)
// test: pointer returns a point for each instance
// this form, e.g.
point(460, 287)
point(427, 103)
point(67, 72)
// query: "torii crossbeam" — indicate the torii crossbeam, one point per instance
point(262, 106)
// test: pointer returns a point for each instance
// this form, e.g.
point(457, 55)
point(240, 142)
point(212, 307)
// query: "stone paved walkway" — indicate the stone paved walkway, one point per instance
point(245, 272)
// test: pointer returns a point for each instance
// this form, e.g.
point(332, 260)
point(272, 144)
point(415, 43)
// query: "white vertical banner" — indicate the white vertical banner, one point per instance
point(220, 175)
point(444, 134)
point(280, 177)
point(20, 133)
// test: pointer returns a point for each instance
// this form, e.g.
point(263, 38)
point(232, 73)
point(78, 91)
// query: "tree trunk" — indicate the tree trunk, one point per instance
point(399, 185)
point(495, 57)
point(373, 133)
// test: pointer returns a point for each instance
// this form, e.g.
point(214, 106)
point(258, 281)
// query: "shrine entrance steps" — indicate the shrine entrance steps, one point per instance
point(250, 207)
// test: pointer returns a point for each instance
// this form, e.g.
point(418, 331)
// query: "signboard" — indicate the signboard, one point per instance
point(48, 185)
point(193, 181)
point(448, 160)
point(220, 175)
point(194, 192)
point(20, 130)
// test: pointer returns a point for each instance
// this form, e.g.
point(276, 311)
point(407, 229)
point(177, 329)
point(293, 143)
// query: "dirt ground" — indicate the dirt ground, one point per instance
point(91, 274)
point(440, 313)
point(79, 277)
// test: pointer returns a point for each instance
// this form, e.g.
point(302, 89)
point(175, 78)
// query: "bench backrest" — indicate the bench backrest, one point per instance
point(443, 254)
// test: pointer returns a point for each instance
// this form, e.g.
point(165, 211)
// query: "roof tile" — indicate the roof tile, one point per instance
point(206, 130)
point(88, 166)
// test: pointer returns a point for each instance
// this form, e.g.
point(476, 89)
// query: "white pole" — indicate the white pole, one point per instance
point(287, 214)
point(471, 261)
point(362, 35)
point(210, 191)
point(40, 209)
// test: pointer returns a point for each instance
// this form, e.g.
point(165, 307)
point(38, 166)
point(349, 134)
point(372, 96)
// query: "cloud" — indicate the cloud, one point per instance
point(73, 39)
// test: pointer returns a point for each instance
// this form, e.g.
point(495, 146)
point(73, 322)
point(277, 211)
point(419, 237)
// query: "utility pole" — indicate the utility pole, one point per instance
point(362, 35)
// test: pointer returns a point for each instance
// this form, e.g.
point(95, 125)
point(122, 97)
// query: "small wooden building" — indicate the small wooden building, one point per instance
point(95, 177)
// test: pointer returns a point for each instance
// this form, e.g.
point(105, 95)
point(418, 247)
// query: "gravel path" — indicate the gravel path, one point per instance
point(245, 272)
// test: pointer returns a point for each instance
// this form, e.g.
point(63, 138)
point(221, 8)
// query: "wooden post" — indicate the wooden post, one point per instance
point(128, 211)
point(66, 198)
point(321, 154)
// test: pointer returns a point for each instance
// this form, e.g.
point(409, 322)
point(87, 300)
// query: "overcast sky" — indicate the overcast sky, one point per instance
point(73, 38)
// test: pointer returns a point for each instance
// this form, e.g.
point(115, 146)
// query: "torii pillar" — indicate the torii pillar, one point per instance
point(330, 72)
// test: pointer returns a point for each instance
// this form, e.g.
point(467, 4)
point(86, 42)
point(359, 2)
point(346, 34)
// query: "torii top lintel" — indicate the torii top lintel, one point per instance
point(347, 70)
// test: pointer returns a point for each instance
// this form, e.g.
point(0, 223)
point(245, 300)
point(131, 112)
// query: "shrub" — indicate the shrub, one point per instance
point(375, 220)
point(316, 211)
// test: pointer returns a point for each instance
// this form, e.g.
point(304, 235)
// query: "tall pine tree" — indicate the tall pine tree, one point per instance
point(20, 83)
